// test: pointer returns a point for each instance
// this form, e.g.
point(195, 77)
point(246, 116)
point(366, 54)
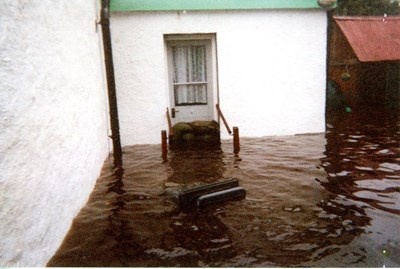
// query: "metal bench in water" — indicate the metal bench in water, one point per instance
point(232, 194)
point(211, 193)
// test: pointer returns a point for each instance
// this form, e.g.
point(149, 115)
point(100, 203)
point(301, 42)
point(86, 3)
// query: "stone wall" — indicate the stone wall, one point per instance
point(53, 122)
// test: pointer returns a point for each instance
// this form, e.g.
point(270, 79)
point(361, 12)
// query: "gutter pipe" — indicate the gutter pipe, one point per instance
point(329, 17)
point(112, 95)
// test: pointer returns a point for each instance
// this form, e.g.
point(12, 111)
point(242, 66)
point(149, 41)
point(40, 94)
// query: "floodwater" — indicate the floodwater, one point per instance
point(315, 200)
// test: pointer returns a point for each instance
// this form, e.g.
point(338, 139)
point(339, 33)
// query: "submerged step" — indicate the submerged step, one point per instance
point(236, 193)
point(188, 198)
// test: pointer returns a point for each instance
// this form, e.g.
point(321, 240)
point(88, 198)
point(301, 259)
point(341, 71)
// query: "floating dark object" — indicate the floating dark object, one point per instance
point(188, 198)
point(237, 193)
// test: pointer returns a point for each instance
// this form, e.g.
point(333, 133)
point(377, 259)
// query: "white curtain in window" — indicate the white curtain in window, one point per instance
point(181, 67)
point(190, 94)
point(198, 64)
point(190, 81)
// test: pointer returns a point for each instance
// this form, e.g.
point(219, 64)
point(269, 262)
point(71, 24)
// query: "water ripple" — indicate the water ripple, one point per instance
point(312, 200)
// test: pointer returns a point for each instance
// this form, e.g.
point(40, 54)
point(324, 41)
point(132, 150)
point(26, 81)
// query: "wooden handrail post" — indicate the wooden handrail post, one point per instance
point(164, 147)
point(170, 131)
point(236, 140)
point(223, 119)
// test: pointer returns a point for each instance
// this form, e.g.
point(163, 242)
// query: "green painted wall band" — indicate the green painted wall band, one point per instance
point(175, 5)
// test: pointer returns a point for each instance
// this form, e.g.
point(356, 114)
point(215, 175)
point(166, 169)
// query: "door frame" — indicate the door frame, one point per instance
point(212, 63)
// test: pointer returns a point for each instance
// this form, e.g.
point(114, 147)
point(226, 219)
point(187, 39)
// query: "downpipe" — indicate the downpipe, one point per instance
point(112, 95)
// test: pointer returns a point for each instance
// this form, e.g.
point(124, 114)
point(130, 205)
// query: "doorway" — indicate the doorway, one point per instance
point(191, 76)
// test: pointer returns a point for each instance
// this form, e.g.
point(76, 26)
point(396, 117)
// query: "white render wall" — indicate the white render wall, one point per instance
point(271, 67)
point(53, 123)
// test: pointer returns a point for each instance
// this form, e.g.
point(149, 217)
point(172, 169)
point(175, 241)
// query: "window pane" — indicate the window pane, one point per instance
point(180, 62)
point(190, 94)
point(200, 94)
point(182, 95)
point(198, 64)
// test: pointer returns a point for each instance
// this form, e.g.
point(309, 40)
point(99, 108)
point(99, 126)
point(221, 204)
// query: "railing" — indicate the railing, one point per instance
point(170, 131)
point(164, 143)
point(221, 115)
point(236, 140)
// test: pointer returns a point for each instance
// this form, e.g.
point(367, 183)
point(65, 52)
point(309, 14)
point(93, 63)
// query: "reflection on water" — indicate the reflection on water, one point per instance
point(312, 200)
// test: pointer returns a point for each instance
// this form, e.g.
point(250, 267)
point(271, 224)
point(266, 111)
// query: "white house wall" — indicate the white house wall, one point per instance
point(53, 138)
point(271, 66)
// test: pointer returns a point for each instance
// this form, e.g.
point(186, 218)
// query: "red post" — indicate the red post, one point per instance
point(236, 140)
point(164, 147)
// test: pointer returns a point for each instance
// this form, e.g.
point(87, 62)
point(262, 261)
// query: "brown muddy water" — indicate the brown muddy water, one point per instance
point(318, 200)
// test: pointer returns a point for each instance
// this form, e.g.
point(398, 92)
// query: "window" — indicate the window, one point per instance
point(189, 74)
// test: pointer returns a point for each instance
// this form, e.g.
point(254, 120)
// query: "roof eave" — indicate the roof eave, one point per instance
point(176, 5)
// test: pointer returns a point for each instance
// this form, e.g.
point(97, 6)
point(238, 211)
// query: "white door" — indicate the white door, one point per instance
point(190, 80)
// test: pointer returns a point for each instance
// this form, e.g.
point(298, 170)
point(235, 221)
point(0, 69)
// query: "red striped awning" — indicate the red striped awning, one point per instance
point(373, 39)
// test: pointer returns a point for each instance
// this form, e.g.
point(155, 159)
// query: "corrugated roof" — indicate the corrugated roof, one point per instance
point(169, 5)
point(372, 38)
